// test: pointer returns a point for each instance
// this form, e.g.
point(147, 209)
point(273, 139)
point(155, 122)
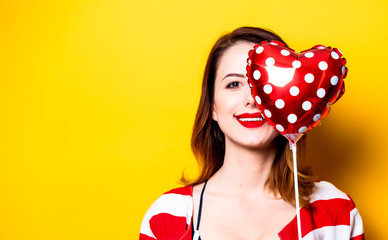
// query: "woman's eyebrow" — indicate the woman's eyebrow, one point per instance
point(234, 75)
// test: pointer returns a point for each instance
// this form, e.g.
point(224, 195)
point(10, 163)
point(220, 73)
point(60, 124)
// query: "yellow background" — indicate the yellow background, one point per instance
point(97, 101)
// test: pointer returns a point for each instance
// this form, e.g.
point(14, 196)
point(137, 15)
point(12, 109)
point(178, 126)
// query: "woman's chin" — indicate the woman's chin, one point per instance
point(262, 139)
point(255, 143)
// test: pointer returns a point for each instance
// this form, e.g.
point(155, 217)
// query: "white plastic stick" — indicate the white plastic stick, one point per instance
point(293, 147)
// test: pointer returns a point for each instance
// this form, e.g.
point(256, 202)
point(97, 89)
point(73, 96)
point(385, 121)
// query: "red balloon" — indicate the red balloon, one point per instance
point(295, 91)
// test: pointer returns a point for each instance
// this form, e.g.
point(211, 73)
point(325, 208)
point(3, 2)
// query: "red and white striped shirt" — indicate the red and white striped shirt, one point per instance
point(330, 215)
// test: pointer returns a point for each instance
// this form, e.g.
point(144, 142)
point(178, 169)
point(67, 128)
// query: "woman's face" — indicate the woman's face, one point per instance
point(234, 107)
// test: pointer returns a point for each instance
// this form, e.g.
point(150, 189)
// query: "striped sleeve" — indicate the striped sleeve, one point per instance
point(335, 215)
point(356, 226)
point(331, 214)
point(169, 216)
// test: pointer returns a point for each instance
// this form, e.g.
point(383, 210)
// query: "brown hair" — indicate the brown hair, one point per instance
point(208, 141)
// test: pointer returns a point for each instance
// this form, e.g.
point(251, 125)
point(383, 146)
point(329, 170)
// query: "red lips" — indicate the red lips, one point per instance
point(250, 120)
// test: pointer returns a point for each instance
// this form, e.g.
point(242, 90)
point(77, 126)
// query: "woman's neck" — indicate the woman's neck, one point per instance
point(245, 170)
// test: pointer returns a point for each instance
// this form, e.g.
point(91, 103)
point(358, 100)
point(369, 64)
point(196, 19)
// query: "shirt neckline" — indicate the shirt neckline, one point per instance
point(287, 231)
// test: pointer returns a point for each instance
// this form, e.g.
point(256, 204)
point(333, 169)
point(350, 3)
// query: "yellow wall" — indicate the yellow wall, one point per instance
point(97, 100)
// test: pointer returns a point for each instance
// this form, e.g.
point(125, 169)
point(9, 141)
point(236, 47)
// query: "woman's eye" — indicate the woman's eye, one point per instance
point(233, 85)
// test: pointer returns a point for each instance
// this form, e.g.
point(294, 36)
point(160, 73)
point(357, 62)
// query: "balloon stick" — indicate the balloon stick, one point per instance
point(293, 147)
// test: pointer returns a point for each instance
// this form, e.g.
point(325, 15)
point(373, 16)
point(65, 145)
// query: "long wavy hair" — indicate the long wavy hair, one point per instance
point(208, 141)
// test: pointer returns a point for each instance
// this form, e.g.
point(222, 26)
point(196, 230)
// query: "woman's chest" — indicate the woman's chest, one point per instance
point(244, 219)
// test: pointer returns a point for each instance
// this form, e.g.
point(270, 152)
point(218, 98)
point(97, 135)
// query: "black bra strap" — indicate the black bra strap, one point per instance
point(200, 205)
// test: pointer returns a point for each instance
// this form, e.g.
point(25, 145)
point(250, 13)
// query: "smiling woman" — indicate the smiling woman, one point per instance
point(234, 106)
point(246, 168)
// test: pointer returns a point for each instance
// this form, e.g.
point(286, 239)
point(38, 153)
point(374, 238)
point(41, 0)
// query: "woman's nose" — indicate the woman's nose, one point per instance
point(249, 100)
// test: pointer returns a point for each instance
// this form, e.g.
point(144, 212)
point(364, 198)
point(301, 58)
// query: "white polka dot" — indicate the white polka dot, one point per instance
point(284, 52)
point(321, 93)
point(343, 70)
point(249, 62)
point(322, 65)
point(270, 61)
point(250, 85)
point(294, 91)
point(309, 54)
point(267, 89)
point(317, 117)
point(302, 129)
point(292, 118)
point(321, 47)
point(334, 80)
point(273, 43)
point(334, 55)
point(258, 100)
point(279, 128)
point(267, 113)
point(256, 74)
point(296, 64)
point(309, 78)
point(306, 105)
point(279, 103)
point(259, 50)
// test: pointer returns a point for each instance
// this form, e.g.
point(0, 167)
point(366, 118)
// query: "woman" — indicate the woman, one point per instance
point(245, 188)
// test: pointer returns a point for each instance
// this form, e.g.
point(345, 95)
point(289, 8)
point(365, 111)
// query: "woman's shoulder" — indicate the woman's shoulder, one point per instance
point(326, 191)
point(328, 197)
point(170, 213)
point(175, 201)
point(185, 191)
point(331, 212)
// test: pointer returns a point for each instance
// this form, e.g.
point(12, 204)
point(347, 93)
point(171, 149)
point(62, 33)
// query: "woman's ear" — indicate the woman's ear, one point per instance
point(214, 112)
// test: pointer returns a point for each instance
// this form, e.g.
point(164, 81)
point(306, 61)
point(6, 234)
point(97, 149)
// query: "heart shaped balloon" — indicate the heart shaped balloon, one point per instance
point(295, 91)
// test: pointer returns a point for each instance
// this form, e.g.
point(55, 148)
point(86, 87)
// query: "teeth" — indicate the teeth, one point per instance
point(250, 119)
